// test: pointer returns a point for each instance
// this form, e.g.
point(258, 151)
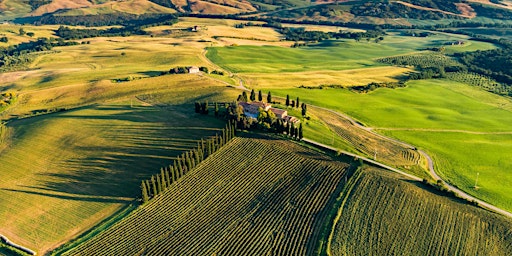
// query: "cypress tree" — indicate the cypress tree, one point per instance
point(209, 145)
point(179, 167)
point(158, 183)
point(168, 177)
point(304, 109)
point(260, 97)
point(288, 129)
point(189, 161)
point(287, 100)
point(145, 197)
point(253, 95)
point(184, 163)
point(244, 97)
point(297, 102)
point(174, 176)
point(301, 135)
point(197, 107)
point(163, 181)
point(296, 133)
point(197, 158)
point(148, 188)
point(153, 184)
point(269, 97)
point(292, 130)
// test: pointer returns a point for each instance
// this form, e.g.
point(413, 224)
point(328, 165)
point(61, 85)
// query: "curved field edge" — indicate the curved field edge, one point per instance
point(282, 191)
point(386, 215)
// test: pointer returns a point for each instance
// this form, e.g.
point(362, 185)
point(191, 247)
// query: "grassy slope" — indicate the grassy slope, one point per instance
point(48, 194)
point(446, 107)
point(384, 215)
point(92, 158)
point(423, 105)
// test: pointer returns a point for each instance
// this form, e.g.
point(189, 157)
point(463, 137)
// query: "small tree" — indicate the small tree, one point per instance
point(301, 135)
point(260, 97)
point(297, 102)
point(304, 109)
point(197, 107)
point(216, 109)
point(253, 95)
point(287, 100)
point(145, 197)
point(293, 104)
point(269, 97)
point(153, 185)
point(244, 96)
point(22, 32)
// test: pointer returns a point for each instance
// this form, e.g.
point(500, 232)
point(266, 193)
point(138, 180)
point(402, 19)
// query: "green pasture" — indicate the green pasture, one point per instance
point(466, 129)
point(423, 104)
point(330, 54)
point(459, 157)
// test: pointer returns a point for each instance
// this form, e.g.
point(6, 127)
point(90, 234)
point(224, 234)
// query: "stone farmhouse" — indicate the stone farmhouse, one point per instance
point(251, 109)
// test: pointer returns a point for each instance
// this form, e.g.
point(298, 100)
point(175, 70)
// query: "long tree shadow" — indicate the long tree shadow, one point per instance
point(131, 144)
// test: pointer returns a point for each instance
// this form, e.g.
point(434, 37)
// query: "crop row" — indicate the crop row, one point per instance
point(254, 196)
point(373, 145)
point(387, 216)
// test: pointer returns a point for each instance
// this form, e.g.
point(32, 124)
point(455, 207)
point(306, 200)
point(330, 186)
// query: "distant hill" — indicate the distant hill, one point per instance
point(376, 12)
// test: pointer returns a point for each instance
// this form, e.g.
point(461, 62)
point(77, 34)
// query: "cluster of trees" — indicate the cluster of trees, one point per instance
point(128, 20)
point(68, 33)
point(6, 98)
point(493, 63)
point(296, 104)
point(34, 4)
point(202, 108)
point(185, 163)
point(16, 56)
point(391, 10)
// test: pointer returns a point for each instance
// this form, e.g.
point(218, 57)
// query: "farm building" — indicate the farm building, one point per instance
point(251, 109)
point(193, 70)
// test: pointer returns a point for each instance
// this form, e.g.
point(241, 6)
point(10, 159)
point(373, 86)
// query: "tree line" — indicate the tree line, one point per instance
point(185, 163)
point(17, 56)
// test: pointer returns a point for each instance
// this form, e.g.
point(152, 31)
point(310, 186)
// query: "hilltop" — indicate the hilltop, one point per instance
point(405, 13)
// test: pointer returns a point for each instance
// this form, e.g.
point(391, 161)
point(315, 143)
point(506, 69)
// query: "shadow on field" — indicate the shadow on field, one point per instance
point(115, 147)
point(432, 189)
point(78, 198)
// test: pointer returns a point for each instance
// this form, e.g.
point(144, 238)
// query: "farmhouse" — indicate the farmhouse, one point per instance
point(251, 109)
point(193, 70)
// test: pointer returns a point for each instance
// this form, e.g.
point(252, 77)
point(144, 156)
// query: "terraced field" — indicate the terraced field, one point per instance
point(269, 198)
point(384, 215)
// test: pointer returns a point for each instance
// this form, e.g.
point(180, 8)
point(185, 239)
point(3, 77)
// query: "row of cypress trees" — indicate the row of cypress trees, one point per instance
point(158, 183)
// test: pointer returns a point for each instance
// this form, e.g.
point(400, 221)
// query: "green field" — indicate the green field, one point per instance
point(329, 55)
point(441, 117)
point(384, 215)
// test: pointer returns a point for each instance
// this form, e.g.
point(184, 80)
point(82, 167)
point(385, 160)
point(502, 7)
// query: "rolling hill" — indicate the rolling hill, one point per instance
point(404, 12)
point(282, 200)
